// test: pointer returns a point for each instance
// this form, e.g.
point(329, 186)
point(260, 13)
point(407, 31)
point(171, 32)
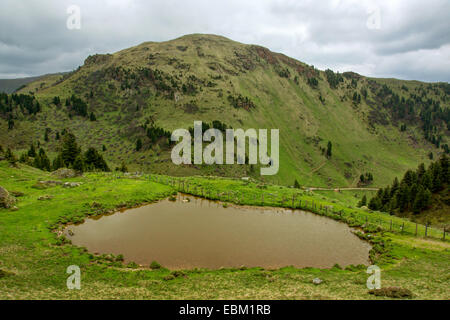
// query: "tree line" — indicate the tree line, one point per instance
point(414, 192)
point(70, 156)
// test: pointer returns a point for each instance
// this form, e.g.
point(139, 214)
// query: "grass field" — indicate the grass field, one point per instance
point(33, 258)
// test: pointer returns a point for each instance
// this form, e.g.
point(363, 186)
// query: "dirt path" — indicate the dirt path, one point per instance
point(341, 189)
point(319, 167)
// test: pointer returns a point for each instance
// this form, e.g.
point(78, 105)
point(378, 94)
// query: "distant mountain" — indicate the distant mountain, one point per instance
point(11, 85)
point(380, 126)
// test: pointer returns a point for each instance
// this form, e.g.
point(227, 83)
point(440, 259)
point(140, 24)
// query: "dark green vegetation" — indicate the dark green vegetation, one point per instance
point(69, 156)
point(333, 127)
point(34, 255)
point(423, 192)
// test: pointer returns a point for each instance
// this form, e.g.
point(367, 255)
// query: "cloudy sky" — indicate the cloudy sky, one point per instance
point(407, 39)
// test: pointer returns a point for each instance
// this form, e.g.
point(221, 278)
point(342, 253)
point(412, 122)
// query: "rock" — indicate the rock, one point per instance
point(17, 194)
point(71, 184)
point(46, 184)
point(317, 281)
point(65, 173)
point(46, 197)
point(6, 200)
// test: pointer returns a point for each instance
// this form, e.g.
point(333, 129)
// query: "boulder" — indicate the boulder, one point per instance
point(46, 197)
point(65, 173)
point(6, 200)
point(47, 184)
point(317, 281)
point(71, 184)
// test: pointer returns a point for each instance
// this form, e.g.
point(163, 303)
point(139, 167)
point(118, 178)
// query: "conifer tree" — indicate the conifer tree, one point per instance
point(138, 144)
point(70, 150)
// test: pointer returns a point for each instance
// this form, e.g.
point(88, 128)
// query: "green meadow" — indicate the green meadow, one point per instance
point(34, 255)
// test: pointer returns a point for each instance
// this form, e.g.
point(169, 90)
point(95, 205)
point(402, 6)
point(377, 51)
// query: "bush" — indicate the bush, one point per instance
point(169, 277)
point(392, 292)
point(155, 265)
point(132, 265)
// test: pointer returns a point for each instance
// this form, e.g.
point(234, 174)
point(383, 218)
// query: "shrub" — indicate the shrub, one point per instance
point(132, 265)
point(392, 292)
point(155, 265)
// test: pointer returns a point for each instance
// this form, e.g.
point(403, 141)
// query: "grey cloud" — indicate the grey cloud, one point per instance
point(411, 44)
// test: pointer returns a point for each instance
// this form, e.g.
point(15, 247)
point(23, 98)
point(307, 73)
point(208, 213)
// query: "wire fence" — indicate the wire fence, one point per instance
point(294, 200)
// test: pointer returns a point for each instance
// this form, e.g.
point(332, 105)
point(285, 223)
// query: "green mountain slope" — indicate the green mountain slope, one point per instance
point(171, 84)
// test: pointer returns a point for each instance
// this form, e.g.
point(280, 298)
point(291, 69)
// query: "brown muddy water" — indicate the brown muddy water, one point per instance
point(204, 234)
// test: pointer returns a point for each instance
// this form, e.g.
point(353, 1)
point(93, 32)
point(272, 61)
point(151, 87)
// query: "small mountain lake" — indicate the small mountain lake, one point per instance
point(197, 233)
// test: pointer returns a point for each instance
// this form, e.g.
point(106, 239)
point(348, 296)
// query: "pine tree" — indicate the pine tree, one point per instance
point(70, 150)
point(24, 158)
point(58, 162)
point(138, 144)
point(329, 149)
point(395, 187)
point(92, 117)
point(32, 151)
point(10, 156)
point(374, 204)
point(296, 184)
point(94, 160)
point(78, 164)
point(363, 201)
point(44, 162)
point(123, 167)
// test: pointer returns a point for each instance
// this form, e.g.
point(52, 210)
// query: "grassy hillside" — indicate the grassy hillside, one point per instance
point(206, 77)
point(34, 255)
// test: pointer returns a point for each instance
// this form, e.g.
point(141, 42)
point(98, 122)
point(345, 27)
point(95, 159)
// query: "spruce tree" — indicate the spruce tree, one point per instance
point(58, 162)
point(138, 144)
point(32, 151)
point(70, 150)
point(78, 164)
point(123, 167)
point(10, 156)
point(363, 201)
point(329, 149)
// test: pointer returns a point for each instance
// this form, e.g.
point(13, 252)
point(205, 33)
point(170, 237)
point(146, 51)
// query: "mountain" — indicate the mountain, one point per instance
point(11, 85)
point(378, 126)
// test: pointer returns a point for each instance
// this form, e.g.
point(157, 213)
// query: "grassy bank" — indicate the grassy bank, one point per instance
point(33, 258)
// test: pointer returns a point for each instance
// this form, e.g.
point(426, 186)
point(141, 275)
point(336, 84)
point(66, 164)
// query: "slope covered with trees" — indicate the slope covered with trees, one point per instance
point(419, 191)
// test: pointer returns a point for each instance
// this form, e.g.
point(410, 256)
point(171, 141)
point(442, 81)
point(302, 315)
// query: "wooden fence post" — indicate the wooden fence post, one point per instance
point(403, 227)
point(426, 229)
